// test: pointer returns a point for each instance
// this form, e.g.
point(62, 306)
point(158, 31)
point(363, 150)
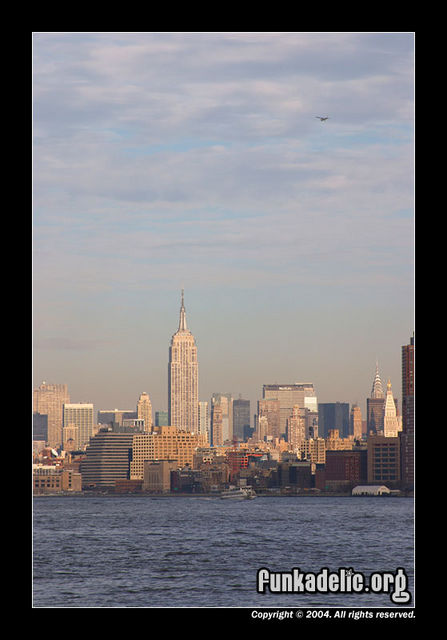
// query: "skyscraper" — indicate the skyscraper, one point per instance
point(333, 415)
point(225, 400)
point(296, 428)
point(301, 394)
point(407, 437)
point(271, 410)
point(80, 417)
point(356, 422)
point(48, 399)
point(374, 405)
point(183, 378)
point(144, 411)
point(204, 419)
point(216, 425)
point(391, 425)
point(241, 419)
point(407, 383)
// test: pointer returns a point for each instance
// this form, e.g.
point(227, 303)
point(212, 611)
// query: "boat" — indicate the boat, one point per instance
point(238, 493)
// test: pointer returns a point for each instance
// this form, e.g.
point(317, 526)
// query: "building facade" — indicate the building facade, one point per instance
point(40, 427)
point(356, 422)
point(241, 419)
point(157, 475)
point(216, 425)
point(161, 419)
point(164, 443)
point(52, 479)
point(270, 410)
point(183, 378)
point(49, 399)
point(80, 416)
point(144, 411)
point(225, 401)
point(374, 406)
point(333, 415)
point(313, 449)
point(334, 442)
point(383, 460)
point(70, 437)
point(204, 419)
point(407, 437)
point(107, 459)
point(391, 422)
point(301, 394)
point(296, 429)
point(115, 416)
point(346, 467)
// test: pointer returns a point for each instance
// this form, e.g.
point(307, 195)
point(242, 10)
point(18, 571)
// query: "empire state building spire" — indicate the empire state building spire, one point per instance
point(182, 324)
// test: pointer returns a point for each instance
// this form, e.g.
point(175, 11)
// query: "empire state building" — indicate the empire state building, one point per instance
point(183, 378)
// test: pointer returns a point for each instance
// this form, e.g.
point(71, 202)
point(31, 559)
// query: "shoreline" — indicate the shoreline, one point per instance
point(111, 494)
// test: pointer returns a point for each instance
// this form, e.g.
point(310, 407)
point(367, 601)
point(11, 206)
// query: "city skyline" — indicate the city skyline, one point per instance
point(165, 161)
point(183, 333)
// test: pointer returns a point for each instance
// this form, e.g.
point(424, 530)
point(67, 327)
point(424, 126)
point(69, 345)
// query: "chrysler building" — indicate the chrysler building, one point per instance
point(183, 378)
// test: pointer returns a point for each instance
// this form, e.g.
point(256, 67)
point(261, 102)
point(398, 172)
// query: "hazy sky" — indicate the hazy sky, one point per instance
point(195, 160)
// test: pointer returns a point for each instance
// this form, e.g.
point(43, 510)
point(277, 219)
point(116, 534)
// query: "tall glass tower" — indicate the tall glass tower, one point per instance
point(183, 378)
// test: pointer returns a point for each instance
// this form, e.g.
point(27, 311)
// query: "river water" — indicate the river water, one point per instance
point(140, 551)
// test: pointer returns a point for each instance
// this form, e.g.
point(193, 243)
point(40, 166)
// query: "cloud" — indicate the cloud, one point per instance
point(197, 157)
point(160, 84)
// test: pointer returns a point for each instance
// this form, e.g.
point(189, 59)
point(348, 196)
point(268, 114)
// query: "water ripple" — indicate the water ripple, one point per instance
point(169, 552)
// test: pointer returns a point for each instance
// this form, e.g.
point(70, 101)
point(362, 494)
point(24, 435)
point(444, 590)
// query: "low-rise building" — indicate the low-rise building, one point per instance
point(313, 449)
point(296, 475)
point(53, 479)
point(157, 475)
point(370, 490)
point(335, 443)
point(345, 469)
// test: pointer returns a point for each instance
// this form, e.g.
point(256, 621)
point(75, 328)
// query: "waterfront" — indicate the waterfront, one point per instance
point(139, 551)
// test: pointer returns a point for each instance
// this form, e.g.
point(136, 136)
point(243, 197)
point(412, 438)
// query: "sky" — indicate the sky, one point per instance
point(195, 160)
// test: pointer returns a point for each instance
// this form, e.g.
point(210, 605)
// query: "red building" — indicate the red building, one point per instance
point(237, 460)
point(345, 468)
